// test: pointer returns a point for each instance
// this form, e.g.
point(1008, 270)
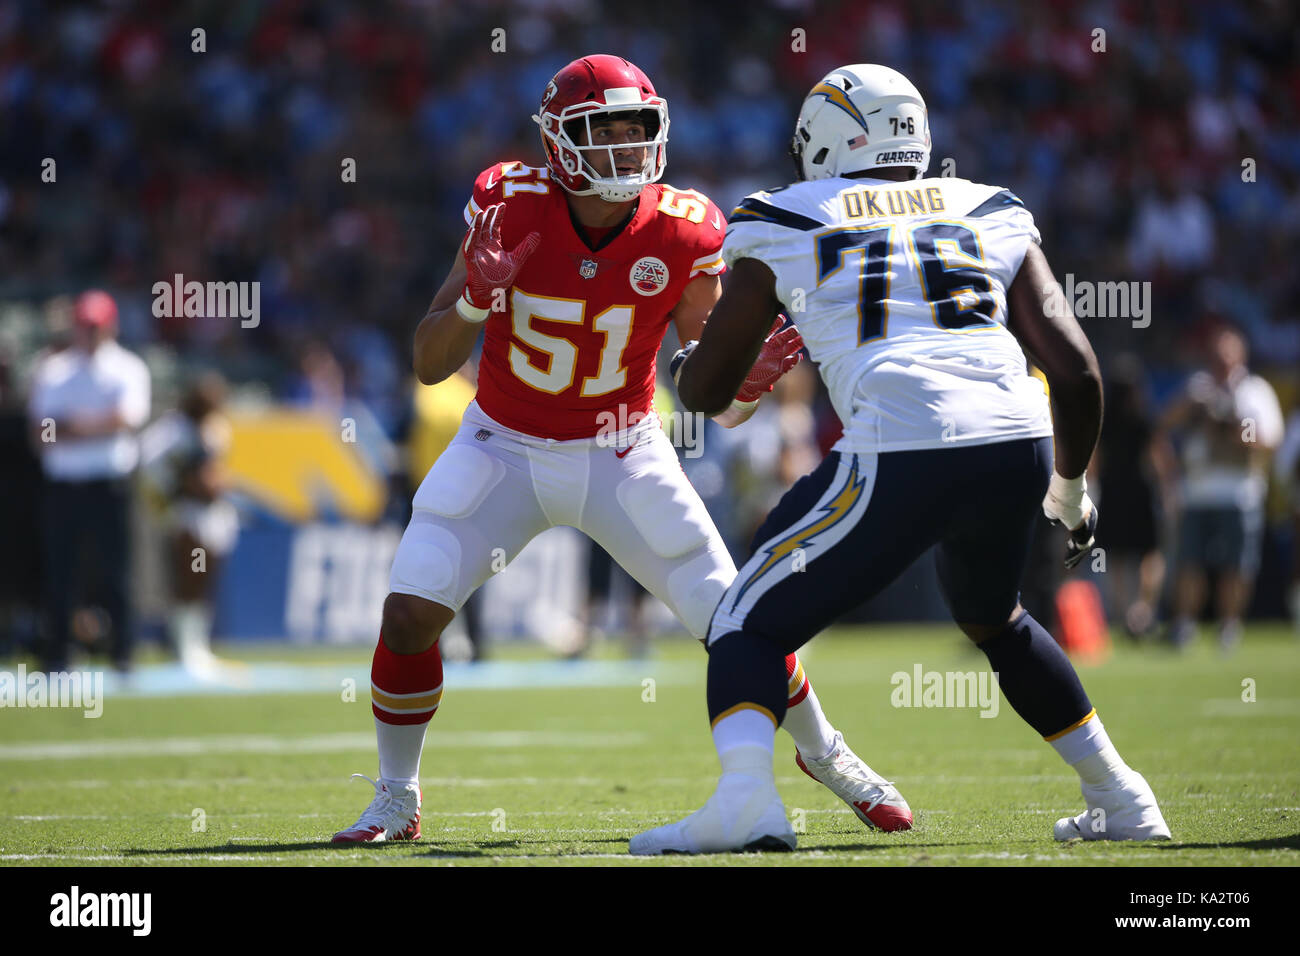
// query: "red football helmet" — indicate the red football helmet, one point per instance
point(594, 86)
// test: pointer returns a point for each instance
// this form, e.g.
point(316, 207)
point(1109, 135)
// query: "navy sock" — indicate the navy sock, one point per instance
point(746, 669)
point(1036, 677)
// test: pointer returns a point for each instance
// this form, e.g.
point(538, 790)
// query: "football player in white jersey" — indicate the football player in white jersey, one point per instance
point(921, 297)
point(589, 233)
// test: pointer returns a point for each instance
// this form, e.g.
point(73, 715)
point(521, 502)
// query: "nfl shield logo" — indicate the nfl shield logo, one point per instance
point(587, 269)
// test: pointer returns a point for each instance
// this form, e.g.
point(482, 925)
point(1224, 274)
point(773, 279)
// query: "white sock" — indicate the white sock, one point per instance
point(1089, 751)
point(190, 627)
point(400, 746)
point(744, 766)
point(806, 722)
point(745, 742)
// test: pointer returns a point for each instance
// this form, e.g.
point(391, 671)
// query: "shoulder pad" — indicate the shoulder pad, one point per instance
point(700, 224)
point(503, 181)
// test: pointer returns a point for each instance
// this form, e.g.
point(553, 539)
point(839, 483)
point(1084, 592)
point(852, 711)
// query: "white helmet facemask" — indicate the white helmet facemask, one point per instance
point(860, 117)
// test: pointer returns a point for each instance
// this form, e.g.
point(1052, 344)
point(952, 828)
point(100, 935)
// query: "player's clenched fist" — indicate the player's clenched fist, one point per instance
point(488, 266)
point(782, 350)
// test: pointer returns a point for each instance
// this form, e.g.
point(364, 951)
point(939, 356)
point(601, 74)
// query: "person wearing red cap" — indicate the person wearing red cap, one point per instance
point(86, 404)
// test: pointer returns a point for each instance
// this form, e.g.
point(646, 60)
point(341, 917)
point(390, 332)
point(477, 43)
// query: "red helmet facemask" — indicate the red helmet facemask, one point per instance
point(593, 88)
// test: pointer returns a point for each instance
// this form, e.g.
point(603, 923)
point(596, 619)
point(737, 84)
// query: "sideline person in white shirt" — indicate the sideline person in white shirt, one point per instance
point(86, 404)
point(1232, 423)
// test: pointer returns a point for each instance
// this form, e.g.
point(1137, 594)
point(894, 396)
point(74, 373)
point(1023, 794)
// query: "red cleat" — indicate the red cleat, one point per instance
point(874, 799)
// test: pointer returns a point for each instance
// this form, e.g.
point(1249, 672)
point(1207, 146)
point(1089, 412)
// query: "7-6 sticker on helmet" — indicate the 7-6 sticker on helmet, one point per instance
point(649, 276)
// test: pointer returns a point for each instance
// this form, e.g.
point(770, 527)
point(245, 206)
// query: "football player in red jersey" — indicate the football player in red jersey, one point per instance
point(574, 271)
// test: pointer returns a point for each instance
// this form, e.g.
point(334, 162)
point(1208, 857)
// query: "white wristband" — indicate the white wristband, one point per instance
point(1065, 500)
point(1068, 489)
point(468, 311)
point(736, 413)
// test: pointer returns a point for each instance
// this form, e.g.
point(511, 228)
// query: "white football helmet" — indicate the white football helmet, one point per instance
point(859, 117)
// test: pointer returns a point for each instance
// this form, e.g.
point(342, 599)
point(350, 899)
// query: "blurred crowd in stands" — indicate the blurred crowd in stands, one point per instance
point(1153, 142)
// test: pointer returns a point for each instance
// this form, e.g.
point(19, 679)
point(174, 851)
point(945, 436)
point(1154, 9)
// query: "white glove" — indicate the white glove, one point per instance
point(1067, 503)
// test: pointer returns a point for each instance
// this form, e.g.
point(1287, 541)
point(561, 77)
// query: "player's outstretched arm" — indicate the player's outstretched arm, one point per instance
point(740, 353)
point(1041, 320)
point(444, 340)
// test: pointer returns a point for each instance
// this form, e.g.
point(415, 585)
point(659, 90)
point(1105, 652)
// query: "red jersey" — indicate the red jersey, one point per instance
point(582, 328)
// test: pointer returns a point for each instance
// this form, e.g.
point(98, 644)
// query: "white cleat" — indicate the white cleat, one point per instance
point(744, 814)
point(874, 799)
point(392, 815)
point(1126, 812)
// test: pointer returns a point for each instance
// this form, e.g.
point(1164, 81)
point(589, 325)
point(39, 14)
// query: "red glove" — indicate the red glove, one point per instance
point(488, 266)
point(781, 352)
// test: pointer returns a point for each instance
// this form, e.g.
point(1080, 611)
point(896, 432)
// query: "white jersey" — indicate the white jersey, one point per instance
point(899, 290)
point(1218, 471)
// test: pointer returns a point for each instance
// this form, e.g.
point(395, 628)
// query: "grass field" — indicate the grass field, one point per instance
point(567, 774)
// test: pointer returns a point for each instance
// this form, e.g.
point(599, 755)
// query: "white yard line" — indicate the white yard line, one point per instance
point(59, 856)
point(1236, 707)
point(321, 743)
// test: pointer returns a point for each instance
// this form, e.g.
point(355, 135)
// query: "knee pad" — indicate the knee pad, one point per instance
point(696, 587)
point(427, 562)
